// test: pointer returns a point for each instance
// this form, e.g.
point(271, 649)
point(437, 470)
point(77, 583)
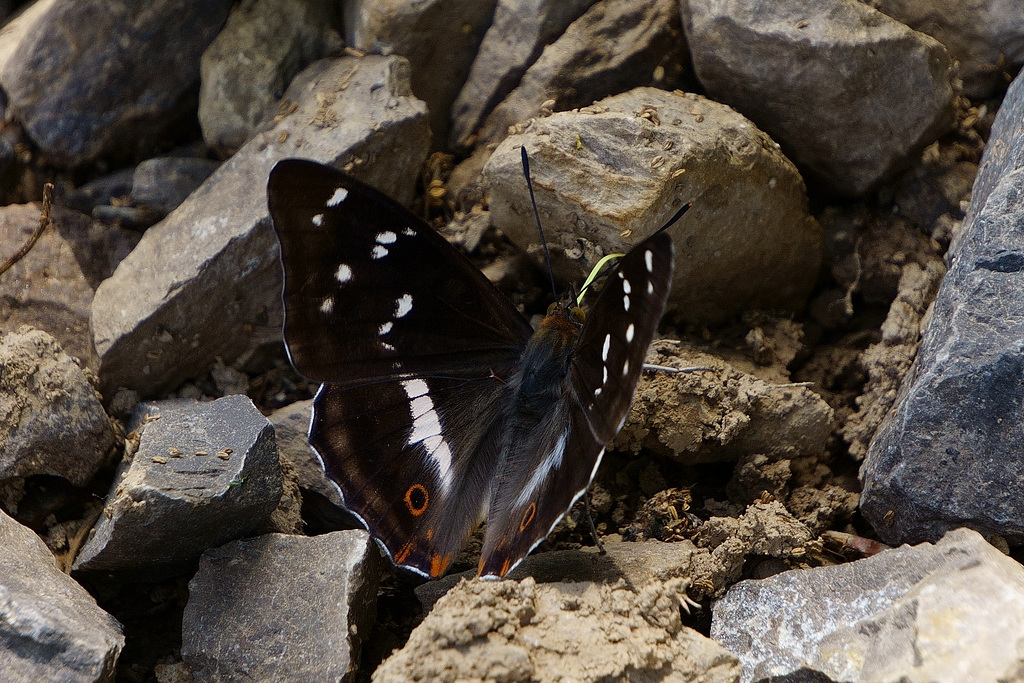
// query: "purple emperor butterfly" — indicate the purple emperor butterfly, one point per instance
point(440, 406)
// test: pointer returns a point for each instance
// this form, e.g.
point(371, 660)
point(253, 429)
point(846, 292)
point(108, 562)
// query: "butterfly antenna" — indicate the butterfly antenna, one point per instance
point(672, 221)
point(536, 215)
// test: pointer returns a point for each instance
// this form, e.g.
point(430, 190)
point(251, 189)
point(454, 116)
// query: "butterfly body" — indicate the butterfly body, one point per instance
point(440, 406)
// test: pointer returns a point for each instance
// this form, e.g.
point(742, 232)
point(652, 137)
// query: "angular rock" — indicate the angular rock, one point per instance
point(291, 424)
point(578, 68)
point(50, 628)
point(720, 414)
point(522, 631)
point(948, 454)
point(52, 286)
point(986, 37)
point(439, 38)
point(206, 281)
point(94, 78)
point(52, 418)
point(281, 608)
point(609, 175)
point(204, 474)
point(518, 34)
point(924, 613)
point(246, 69)
point(869, 92)
point(163, 183)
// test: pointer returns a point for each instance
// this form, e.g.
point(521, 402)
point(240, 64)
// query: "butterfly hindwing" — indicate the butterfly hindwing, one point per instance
point(363, 267)
point(540, 479)
point(410, 461)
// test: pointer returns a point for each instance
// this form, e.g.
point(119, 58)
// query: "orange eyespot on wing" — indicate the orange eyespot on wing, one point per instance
point(417, 500)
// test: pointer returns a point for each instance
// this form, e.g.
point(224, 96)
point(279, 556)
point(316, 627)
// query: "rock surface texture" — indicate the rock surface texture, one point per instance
point(947, 453)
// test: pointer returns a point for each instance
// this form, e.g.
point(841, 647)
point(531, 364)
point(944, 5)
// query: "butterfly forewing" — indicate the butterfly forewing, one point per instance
point(539, 480)
point(620, 326)
point(398, 300)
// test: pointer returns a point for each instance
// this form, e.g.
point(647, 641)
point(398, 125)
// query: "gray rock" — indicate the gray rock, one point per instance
point(204, 474)
point(439, 38)
point(986, 37)
point(587, 632)
point(868, 93)
point(948, 454)
point(608, 175)
point(99, 192)
point(206, 282)
point(520, 30)
point(50, 628)
point(946, 612)
point(281, 608)
point(163, 183)
point(291, 424)
point(578, 68)
point(246, 69)
point(52, 286)
point(53, 422)
point(92, 78)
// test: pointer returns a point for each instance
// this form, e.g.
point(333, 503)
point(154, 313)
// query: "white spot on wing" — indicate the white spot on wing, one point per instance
point(625, 301)
point(408, 232)
point(629, 333)
point(552, 461)
point(386, 327)
point(318, 220)
point(386, 346)
point(650, 287)
point(426, 429)
point(386, 237)
point(327, 306)
point(403, 305)
point(649, 260)
point(625, 368)
point(597, 392)
point(604, 379)
point(625, 286)
point(379, 252)
point(338, 197)
point(607, 346)
point(343, 274)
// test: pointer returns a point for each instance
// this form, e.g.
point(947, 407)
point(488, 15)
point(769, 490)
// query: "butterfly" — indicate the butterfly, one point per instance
point(439, 405)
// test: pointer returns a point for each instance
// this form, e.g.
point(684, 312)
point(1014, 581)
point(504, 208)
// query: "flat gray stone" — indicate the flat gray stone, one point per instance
point(949, 452)
point(948, 612)
point(53, 421)
point(249, 64)
point(91, 77)
point(281, 608)
point(206, 281)
point(518, 34)
point(578, 67)
point(609, 175)
point(439, 38)
point(204, 474)
point(50, 628)
point(868, 94)
point(163, 183)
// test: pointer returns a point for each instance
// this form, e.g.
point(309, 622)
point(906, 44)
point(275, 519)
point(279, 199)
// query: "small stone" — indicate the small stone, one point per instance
point(308, 600)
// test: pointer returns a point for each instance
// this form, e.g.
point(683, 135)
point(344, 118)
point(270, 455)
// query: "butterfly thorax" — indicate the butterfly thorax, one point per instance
point(545, 361)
